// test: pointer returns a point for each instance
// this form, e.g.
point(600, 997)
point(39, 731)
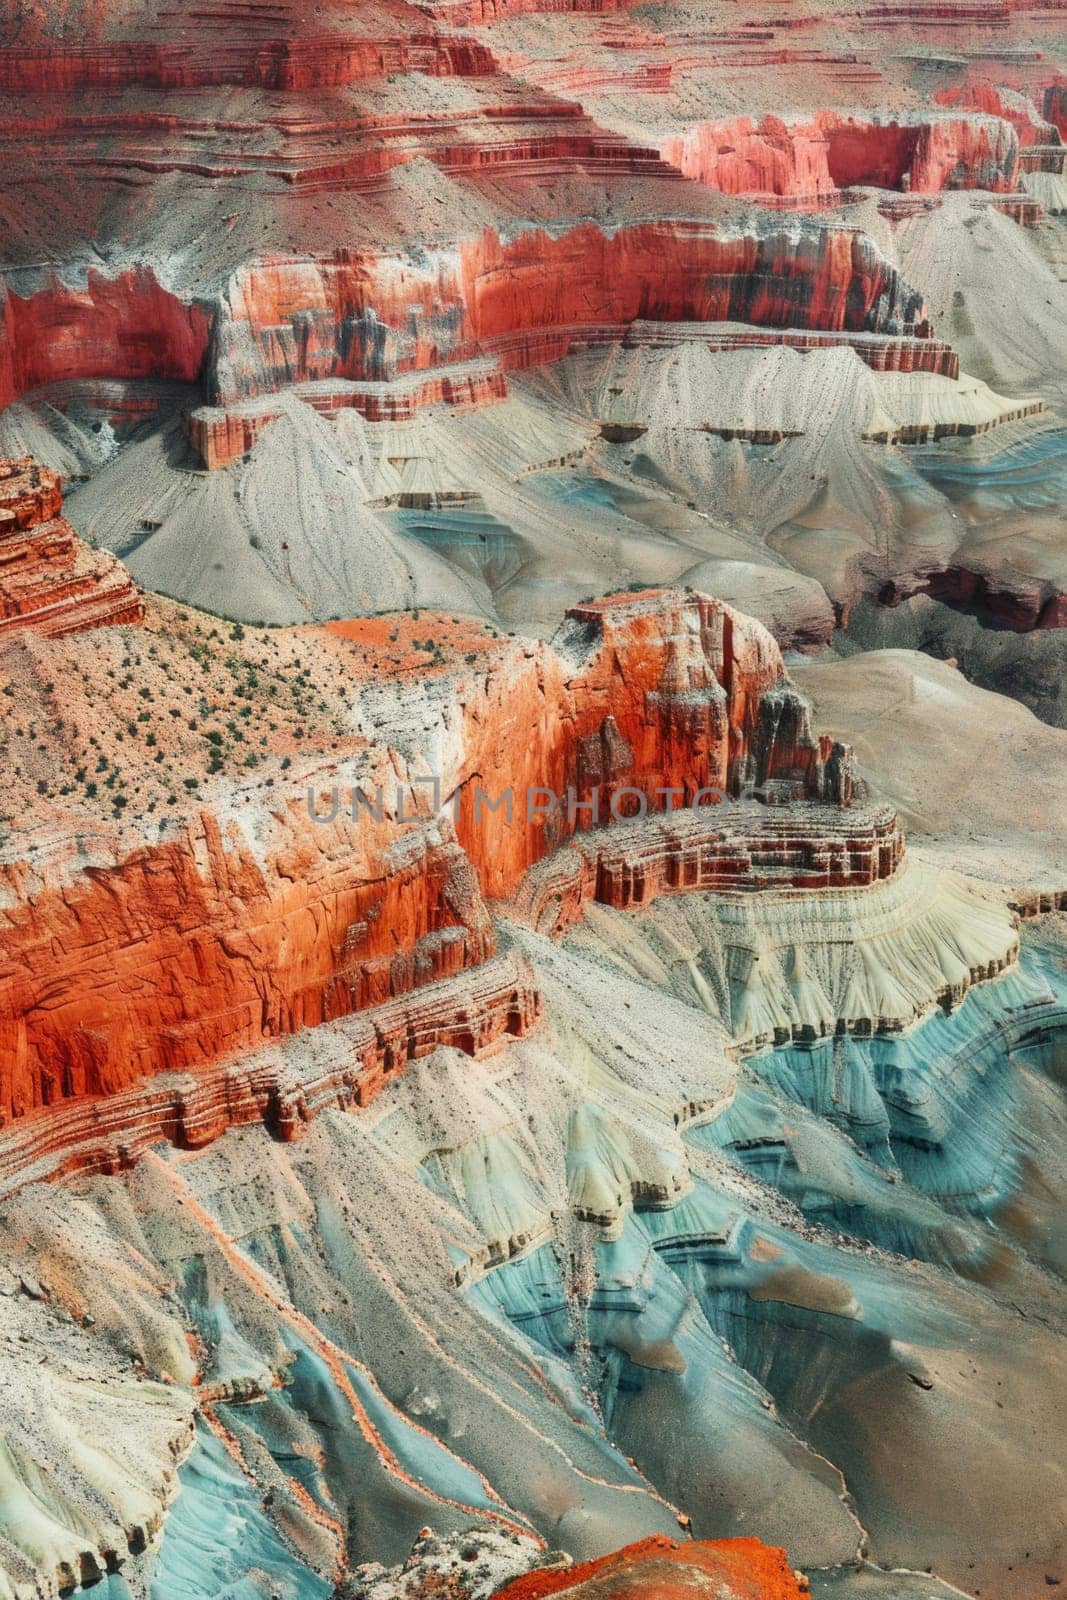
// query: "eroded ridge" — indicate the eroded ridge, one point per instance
point(748, 848)
point(341, 1066)
point(268, 914)
point(50, 580)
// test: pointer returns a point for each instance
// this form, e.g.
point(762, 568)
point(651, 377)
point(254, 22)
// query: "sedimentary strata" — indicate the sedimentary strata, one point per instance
point(342, 1066)
point(754, 848)
point(50, 581)
point(743, 1569)
point(313, 903)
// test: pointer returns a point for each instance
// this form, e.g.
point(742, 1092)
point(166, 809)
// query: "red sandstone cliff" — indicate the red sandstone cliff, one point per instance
point(248, 919)
point(121, 327)
point(661, 1569)
point(359, 315)
point(526, 297)
point(816, 159)
point(49, 580)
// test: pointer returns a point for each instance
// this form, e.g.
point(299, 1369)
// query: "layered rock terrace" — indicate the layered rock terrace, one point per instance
point(293, 921)
point(50, 580)
point(752, 848)
point(281, 948)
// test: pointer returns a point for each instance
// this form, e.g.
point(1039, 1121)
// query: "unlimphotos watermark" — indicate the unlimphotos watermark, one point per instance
point(511, 804)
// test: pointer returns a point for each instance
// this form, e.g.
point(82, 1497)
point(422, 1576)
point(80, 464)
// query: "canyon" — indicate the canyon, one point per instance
point(273, 964)
point(533, 713)
point(294, 913)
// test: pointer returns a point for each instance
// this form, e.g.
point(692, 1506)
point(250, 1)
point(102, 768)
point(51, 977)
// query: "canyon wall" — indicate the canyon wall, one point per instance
point(362, 316)
point(181, 952)
point(50, 581)
point(762, 848)
point(270, 47)
point(107, 1131)
point(814, 160)
point(638, 694)
point(238, 926)
point(526, 297)
point(127, 326)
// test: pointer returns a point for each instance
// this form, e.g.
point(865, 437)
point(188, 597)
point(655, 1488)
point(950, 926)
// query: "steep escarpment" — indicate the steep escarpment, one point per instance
point(50, 581)
point(370, 316)
point(273, 46)
point(487, 1095)
point(814, 161)
point(125, 326)
point(527, 298)
point(277, 904)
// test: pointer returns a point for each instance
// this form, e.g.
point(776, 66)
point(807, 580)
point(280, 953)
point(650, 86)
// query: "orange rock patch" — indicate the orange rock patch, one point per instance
point(659, 1568)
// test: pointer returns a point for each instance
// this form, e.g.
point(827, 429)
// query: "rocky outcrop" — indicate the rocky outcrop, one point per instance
point(996, 101)
point(663, 1569)
point(657, 1568)
point(340, 1066)
point(245, 923)
point(528, 297)
point(646, 701)
point(952, 152)
point(220, 436)
point(810, 161)
point(126, 326)
point(1006, 599)
point(468, 1566)
point(523, 299)
point(744, 849)
point(783, 967)
point(1055, 107)
point(49, 580)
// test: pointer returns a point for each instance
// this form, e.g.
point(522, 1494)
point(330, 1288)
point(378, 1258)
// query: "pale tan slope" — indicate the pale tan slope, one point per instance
point(774, 389)
point(794, 608)
point(835, 506)
point(286, 536)
point(981, 784)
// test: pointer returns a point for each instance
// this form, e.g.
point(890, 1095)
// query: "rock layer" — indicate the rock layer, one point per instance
point(354, 1060)
point(816, 161)
point(748, 850)
point(362, 316)
point(49, 580)
point(232, 931)
point(662, 1569)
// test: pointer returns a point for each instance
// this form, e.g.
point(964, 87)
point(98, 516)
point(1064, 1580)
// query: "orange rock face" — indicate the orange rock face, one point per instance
point(245, 923)
point(126, 326)
point(526, 298)
point(275, 47)
point(102, 1132)
point(183, 952)
point(661, 1569)
point(49, 580)
point(815, 160)
point(674, 694)
point(1014, 108)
